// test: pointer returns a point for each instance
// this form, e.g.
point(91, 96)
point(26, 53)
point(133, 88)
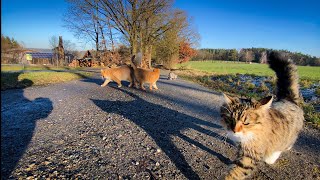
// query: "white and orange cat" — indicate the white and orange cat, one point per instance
point(142, 76)
point(117, 74)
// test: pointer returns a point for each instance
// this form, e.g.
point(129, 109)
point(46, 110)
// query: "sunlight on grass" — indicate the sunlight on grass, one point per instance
point(11, 80)
point(222, 67)
point(6, 68)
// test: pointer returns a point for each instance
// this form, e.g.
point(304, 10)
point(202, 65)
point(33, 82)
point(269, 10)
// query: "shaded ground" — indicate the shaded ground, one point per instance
point(79, 129)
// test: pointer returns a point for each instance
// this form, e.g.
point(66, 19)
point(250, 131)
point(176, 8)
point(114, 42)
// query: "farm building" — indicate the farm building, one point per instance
point(39, 57)
point(45, 58)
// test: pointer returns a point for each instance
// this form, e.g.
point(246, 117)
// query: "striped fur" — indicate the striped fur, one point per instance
point(264, 128)
point(286, 71)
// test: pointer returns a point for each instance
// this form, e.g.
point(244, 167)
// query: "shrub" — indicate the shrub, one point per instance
point(317, 91)
point(311, 115)
point(305, 83)
point(263, 87)
point(250, 85)
point(230, 80)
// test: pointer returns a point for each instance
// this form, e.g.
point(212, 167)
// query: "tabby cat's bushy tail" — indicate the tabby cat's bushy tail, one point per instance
point(286, 71)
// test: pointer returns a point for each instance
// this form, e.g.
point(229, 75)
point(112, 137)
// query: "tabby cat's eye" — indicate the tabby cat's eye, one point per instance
point(246, 122)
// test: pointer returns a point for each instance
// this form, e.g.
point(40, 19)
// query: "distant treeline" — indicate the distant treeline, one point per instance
point(258, 55)
point(11, 50)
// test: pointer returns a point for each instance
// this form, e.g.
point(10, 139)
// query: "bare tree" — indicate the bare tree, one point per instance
point(57, 44)
point(249, 56)
point(83, 19)
point(121, 16)
point(53, 42)
point(140, 22)
point(68, 46)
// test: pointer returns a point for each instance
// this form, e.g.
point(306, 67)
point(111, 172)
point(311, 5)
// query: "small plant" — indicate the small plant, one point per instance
point(230, 80)
point(263, 87)
point(238, 83)
point(311, 115)
point(305, 83)
point(317, 91)
point(205, 79)
point(250, 85)
point(250, 95)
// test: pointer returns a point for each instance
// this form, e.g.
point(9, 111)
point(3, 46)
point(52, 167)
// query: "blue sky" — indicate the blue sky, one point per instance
point(292, 25)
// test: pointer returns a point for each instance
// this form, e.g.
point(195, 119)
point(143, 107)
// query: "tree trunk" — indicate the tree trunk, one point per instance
point(103, 38)
point(133, 44)
point(97, 42)
point(111, 36)
point(147, 55)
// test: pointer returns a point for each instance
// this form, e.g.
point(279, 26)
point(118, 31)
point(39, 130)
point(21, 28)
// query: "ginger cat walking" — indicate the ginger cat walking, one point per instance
point(117, 74)
point(145, 76)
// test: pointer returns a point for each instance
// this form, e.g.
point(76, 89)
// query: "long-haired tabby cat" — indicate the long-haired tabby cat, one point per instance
point(264, 128)
point(117, 74)
point(145, 75)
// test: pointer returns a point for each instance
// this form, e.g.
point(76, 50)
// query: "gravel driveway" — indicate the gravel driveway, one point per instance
point(81, 130)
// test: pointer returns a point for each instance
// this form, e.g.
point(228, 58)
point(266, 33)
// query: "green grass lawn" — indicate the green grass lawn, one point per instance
point(6, 68)
point(10, 80)
point(223, 67)
point(202, 72)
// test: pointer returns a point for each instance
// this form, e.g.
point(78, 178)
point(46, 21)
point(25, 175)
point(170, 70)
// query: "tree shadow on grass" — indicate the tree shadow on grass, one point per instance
point(162, 124)
point(18, 121)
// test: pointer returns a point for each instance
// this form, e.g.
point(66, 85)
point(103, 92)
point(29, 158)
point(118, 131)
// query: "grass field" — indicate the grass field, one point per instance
point(226, 80)
point(18, 67)
point(19, 76)
point(222, 67)
point(11, 80)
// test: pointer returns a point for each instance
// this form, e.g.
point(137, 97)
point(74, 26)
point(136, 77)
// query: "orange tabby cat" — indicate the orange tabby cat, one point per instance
point(145, 76)
point(117, 74)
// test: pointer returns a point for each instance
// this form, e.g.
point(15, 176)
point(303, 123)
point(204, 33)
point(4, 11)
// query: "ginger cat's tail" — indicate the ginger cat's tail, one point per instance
point(286, 71)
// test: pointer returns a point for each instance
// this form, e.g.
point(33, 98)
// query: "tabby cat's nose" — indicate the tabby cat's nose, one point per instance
point(238, 127)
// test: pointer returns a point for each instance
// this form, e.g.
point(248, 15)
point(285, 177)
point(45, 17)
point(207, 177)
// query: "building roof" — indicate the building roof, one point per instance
point(40, 55)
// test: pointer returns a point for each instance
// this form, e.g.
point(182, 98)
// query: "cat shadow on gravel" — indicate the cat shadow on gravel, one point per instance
point(18, 121)
point(161, 124)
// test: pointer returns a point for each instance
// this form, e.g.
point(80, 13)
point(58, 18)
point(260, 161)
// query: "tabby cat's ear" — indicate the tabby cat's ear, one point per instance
point(228, 99)
point(266, 102)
